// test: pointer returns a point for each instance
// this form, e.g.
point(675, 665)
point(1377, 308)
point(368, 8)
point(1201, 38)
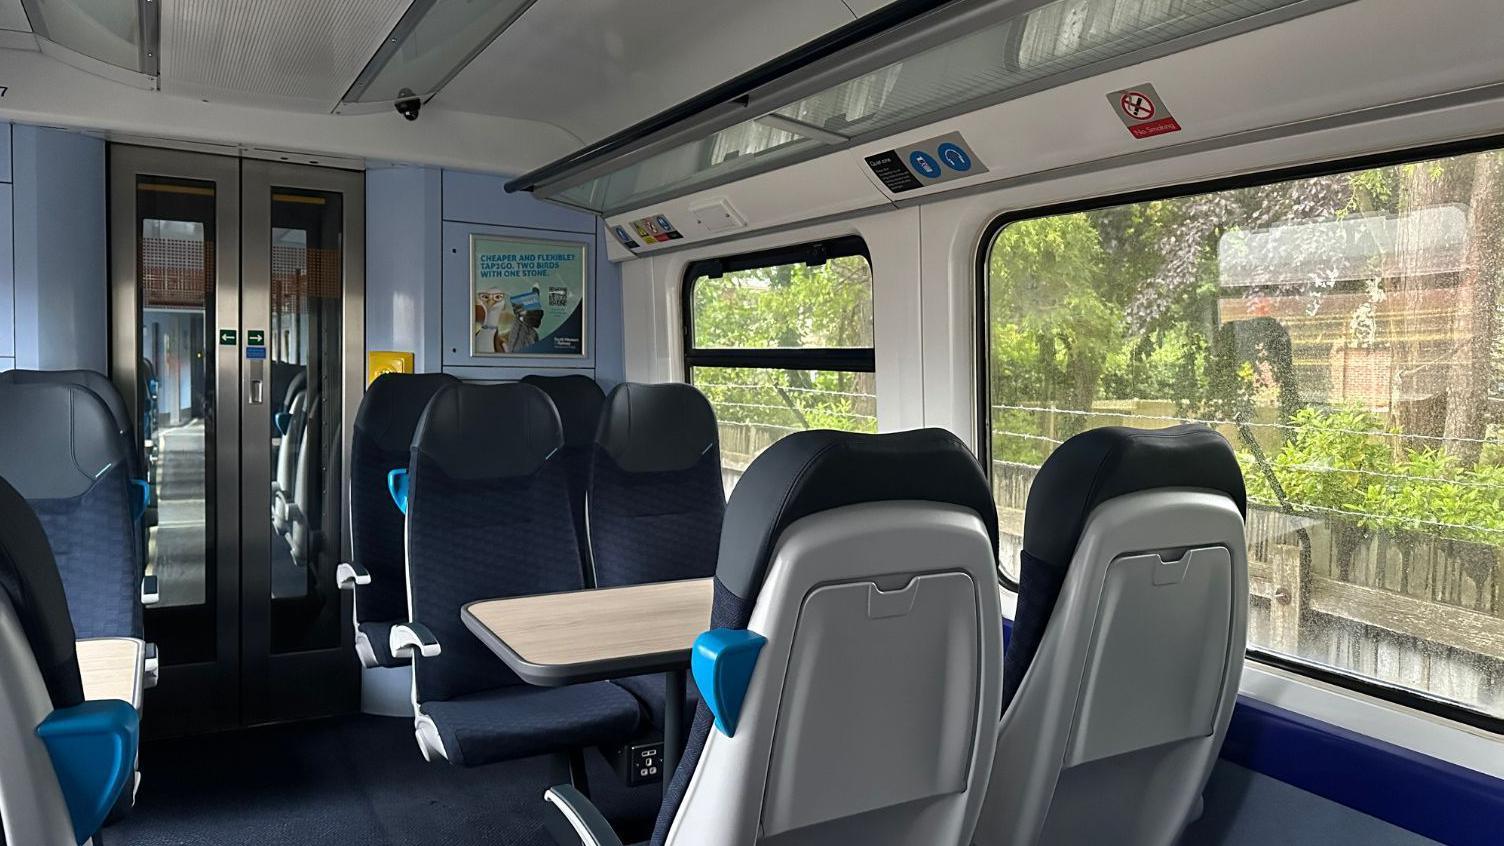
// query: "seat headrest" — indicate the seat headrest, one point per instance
point(1099, 464)
point(29, 578)
point(809, 472)
point(389, 412)
point(579, 400)
point(488, 431)
point(58, 439)
point(656, 428)
point(96, 382)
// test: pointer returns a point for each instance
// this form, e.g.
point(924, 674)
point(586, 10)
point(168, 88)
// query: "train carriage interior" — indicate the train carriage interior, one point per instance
point(751, 422)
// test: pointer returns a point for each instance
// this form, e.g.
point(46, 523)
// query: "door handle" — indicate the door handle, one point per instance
point(255, 392)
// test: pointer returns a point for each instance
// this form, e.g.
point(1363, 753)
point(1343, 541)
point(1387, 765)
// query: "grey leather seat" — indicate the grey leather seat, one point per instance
point(1127, 647)
point(853, 670)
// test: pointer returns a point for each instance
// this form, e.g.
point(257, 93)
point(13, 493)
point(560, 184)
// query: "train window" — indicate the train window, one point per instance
point(781, 341)
point(1345, 332)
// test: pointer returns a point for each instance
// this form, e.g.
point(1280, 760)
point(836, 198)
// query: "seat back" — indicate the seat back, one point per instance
point(106, 391)
point(1123, 666)
point(656, 500)
point(382, 439)
point(63, 452)
point(487, 517)
point(578, 400)
point(868, 565)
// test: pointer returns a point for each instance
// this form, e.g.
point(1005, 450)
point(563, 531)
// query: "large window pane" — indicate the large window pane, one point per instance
point(1343, 332)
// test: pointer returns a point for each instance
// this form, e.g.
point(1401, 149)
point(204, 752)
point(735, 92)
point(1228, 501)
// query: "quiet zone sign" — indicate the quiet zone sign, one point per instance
point(1142, 111)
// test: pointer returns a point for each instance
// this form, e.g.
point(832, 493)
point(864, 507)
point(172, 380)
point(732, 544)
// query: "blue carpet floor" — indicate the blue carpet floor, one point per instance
point(352, 780)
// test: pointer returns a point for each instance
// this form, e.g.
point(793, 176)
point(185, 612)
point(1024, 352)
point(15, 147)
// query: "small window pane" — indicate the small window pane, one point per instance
point(786, 306)
point(1344, 333)
point(756, 407)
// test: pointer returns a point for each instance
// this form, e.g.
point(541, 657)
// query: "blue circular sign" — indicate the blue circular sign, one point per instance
point(955, 157)
point(925, 164)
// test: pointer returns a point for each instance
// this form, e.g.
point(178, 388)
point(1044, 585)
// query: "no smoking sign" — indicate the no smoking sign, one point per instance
point(1142, 111)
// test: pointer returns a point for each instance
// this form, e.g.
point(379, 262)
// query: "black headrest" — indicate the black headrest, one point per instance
point(809, 472)
point(488, 431)
point(389, 411)
point(656, 428)
point(1099, 464)
point(29, 578)
point(579, 400)
point(58, 439)
point(96, 382)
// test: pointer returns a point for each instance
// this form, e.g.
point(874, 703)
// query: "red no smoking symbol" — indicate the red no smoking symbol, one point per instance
point(1137, 106)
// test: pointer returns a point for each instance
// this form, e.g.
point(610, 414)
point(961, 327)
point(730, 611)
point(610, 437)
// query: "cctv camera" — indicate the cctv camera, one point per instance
point(409, 105)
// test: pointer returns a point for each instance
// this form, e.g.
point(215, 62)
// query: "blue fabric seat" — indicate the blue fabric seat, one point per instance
point(656, 497)
point(578, 400)
point(63, 452)
point(382, 438)
point(507, 723)
point(488, 517)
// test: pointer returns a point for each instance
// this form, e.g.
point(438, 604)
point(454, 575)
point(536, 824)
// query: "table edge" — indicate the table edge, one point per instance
point(560, 675)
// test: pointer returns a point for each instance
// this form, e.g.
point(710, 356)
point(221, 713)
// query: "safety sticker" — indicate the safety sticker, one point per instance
point(623, 237)
point(929, 162)
point(1142, 111)
point(655, 228)
point(255, 352)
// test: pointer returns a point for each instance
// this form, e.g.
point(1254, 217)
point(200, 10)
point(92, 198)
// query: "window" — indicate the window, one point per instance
point(1345, 332)
point(781, 341)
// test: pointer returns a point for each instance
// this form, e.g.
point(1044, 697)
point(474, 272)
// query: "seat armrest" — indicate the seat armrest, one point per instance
point(149, 592)
point(151, 666)
point(581, 818)
point(407, 639)
point(349, 574)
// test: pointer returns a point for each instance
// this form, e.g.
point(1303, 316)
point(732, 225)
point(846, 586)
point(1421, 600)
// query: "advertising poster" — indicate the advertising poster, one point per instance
point(528, 296)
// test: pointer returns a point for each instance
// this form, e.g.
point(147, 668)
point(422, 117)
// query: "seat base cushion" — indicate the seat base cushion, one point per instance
point(379, 635)
point(520, 721)
point(649, 691)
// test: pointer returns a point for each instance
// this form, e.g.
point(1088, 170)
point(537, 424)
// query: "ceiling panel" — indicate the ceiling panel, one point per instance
point(12, 16)
point(598, 67)
point(271, 50)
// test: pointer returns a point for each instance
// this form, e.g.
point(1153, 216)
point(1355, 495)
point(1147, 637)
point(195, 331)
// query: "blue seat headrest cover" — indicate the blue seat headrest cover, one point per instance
point(656, 428)
point(477, 432)
point(809, 472)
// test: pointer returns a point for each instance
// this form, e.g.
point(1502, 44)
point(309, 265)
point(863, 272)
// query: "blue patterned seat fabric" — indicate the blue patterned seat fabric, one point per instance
point(488, 517)
point(63, 452)
point(382, 439)
point(578, 400)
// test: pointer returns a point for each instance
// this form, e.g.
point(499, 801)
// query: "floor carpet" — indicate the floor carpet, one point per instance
point(353, 780)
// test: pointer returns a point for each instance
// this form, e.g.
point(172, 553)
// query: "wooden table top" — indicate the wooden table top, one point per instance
point(584, 635)
point(111, 668)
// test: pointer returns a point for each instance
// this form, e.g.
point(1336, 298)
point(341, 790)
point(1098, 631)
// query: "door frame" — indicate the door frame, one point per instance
point(181, 686)
point(275, 686)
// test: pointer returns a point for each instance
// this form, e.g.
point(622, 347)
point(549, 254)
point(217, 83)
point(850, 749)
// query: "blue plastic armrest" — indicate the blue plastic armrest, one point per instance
point(141, 498)
point(282, 420)
point(93, 751)
point(396, 485)
point(722, 664)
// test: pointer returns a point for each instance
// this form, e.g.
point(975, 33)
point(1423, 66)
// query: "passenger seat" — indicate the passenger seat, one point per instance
point(656, 500)
point(1123, 665)
point(579, 401)
point(488, 517)
point(66, 762)
point(377, 571)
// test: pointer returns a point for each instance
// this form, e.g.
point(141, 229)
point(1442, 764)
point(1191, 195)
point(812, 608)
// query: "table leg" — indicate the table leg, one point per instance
point(673, 722)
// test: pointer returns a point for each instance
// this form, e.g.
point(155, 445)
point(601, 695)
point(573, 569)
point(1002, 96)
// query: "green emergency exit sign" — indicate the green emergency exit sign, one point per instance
point(255, 338)
point(227, 337)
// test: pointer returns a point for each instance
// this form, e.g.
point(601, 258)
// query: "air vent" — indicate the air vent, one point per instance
point(717, 215)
